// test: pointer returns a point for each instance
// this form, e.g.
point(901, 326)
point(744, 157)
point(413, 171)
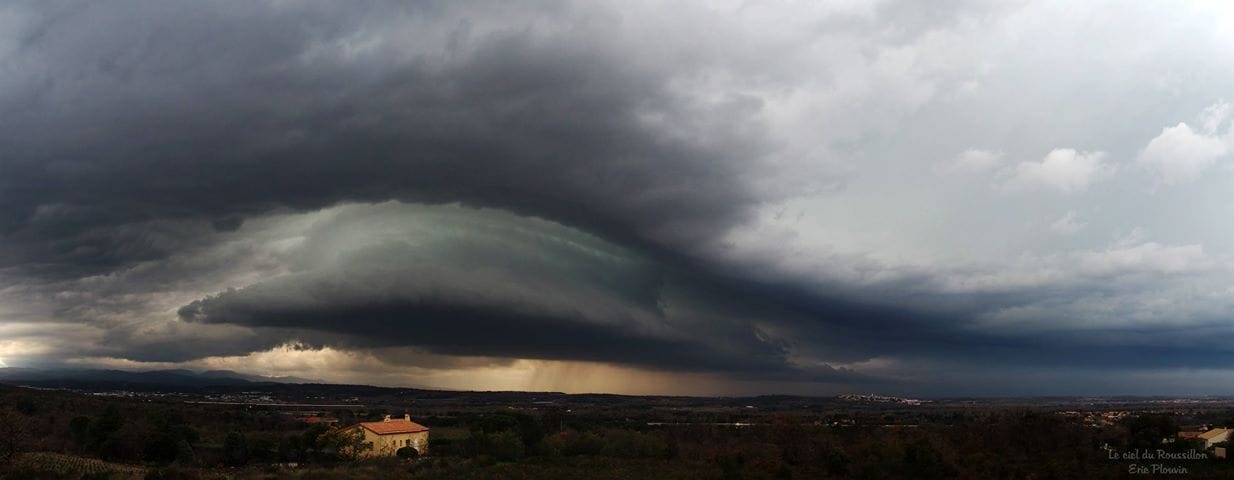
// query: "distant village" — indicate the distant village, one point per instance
point(870, 397)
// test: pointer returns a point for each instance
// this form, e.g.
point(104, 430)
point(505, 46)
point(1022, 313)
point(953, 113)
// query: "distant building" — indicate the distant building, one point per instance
point(1187, 433)
point(1214, 436)
point(389, 435)
point(316, 419)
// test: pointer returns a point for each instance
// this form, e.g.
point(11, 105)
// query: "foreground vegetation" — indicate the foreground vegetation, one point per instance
point(57, 435)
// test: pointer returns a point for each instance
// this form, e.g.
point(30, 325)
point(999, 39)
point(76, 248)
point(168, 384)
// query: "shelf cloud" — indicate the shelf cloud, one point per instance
point(790, 197)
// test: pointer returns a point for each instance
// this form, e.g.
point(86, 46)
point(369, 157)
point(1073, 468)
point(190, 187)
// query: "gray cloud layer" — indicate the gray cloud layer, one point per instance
point(804, 192)
point(217, 113)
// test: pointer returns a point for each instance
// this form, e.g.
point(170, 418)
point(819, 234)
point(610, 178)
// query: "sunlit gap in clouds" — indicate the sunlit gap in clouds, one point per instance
point(332, 365)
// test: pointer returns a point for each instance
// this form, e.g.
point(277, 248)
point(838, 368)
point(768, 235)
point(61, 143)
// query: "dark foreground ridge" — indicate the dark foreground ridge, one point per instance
point(218, 426)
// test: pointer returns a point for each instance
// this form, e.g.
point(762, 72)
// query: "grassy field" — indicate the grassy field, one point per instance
point(56, 465)
point(469, 469)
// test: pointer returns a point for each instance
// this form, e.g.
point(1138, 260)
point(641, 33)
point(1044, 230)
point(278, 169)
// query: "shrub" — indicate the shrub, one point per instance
point(632, 444)
point(235, 449)
point(407, 452)
point(171, 473)
point(184, 453)
point(507, 445)
point(574, 443)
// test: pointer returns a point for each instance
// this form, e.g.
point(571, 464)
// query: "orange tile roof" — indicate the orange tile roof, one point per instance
point(393, 426)
point(1213, 433)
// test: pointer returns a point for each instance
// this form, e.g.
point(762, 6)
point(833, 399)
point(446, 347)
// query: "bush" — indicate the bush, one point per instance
point(632, 444)
point(184, 453)
point(407, 452)
point(235, 450)
point(103, 428)
point(79, 429)
point(506, 445)
point(14, 435)
point(171, 473)
point(543, 449)
point(574, 443)
point(442, 447)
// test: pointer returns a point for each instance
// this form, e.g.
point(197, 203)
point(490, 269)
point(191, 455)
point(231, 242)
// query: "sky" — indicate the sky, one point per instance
point(715, 198)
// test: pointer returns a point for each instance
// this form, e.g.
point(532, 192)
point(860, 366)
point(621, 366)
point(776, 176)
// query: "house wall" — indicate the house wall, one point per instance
point(387, 445)
point(1221, 437)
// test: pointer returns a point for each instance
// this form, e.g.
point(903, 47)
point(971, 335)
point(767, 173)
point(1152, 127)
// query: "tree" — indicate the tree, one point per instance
point(26, 407)
point(922, 461)
point(79, 428)
point(1147, 431)
point(262, 447)
point(104, 427)
point(291, 448)
point(506, 445)
point(308, 439)
point(14, 435)
point(341, 443)
point(530, 429)
point(165, 433)
point(184, 453)
point(235, 449)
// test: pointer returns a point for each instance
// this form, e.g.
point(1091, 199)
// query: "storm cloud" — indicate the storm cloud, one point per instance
point(204, 112)
point(807, 197)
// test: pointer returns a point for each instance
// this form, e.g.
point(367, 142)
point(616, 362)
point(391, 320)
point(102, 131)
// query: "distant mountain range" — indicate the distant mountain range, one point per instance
point(184, 378)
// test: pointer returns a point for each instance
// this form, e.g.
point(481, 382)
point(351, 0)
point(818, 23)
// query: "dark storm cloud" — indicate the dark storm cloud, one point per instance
point(574, 181)
point(203, 111)
point(136, 134)
point(461, 329)
point(458, 281)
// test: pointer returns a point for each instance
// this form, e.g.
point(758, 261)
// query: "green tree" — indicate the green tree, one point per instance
point(79, 429)
point(184, 453)
point(342, 444)
point(14, 435)
point(1147, 431)
point(262, 447)
point(530, 429)
point(291, 448)
point(26, 407)
point(235, 449)
point(923, 462)
point(506, 445)
point(308, 439)
point(166, 429)
point(103, 428)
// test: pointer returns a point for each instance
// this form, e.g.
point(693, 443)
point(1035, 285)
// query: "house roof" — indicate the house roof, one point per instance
point(1213, 433)
point(392, 426)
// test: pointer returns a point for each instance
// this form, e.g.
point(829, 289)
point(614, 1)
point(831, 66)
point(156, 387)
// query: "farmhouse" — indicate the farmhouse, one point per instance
point(389, 435)
point(1215, 436)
